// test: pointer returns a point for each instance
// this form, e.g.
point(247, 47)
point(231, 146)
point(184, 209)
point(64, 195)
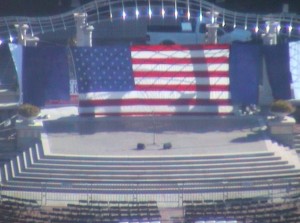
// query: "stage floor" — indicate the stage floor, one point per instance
point(189, 135)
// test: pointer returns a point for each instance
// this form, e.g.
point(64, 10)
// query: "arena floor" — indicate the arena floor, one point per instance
point(69, 134)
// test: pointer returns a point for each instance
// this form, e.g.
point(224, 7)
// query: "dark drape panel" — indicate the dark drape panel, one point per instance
point(278, 70)
point(8, 73)
point(245, 69)
point(45, 74)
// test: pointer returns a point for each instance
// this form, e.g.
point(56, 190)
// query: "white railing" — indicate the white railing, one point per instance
point(103, 10)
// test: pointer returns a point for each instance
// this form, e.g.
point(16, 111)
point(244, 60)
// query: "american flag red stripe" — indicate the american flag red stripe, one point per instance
point(181, 74)
point(179, 60)
point(179, 47)
point(169, 80)
point(182, 88)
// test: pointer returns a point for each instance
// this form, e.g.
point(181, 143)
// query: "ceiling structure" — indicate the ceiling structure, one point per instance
point(51, 16)
point(51, 7)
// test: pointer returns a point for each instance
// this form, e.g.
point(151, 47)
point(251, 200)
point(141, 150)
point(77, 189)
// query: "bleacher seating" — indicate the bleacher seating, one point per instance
point(31, 168)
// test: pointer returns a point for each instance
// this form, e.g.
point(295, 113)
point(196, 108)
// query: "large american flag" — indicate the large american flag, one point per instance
point(141, 80)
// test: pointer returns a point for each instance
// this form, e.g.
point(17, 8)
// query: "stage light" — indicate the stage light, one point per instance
point(256, 26)
point(246, 23)
point(290, 29)
point(200, 17)
point(234, 21)
point(163, 12)
point(1, 42)
point(188, 10)
point(149, 10)
point(176, 11)
point(124, 15)
point(267, 27)
point(200, 11)
point(123, 11)
point(137, 13)
point(150, 13)
point(110, 11)
point(11, 39)
point(223, 20)
point(278, 28)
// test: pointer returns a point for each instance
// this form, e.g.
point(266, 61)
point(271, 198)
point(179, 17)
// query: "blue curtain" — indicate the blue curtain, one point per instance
point(45, 74)
point(278, 70)
point(16, 51)
point(8, 73)
point(245, 70)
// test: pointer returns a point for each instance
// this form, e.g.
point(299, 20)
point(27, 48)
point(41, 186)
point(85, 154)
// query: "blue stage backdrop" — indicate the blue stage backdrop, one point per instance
point(45, 74)
point(277, 63)
point(245, 69)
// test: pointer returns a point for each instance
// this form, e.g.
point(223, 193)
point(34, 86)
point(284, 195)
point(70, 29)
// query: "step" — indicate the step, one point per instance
point(150, 177)
point(156, 171)
point(140, 161)
point(297, 146)
point(98, 180)
point(189, 166)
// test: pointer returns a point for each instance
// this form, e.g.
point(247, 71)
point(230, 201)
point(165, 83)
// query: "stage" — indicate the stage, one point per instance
point(119, 136)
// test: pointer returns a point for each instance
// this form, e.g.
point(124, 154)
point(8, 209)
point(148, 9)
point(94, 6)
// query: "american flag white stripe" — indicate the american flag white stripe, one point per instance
point(179, 54)
point(182, 81)
point(142, 109)
point(180, 67)
point(172, 95)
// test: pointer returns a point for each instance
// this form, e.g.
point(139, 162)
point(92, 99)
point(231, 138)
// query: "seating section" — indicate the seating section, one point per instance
point(16, 210)
point(19, 210)
point(239, 210)
point(29, 169)
point(107, 212)
point(252, 210)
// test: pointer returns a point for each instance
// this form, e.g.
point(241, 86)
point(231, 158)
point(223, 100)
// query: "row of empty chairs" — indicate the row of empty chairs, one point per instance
point(17, 210)
point(245, 210)
point(107, 211)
